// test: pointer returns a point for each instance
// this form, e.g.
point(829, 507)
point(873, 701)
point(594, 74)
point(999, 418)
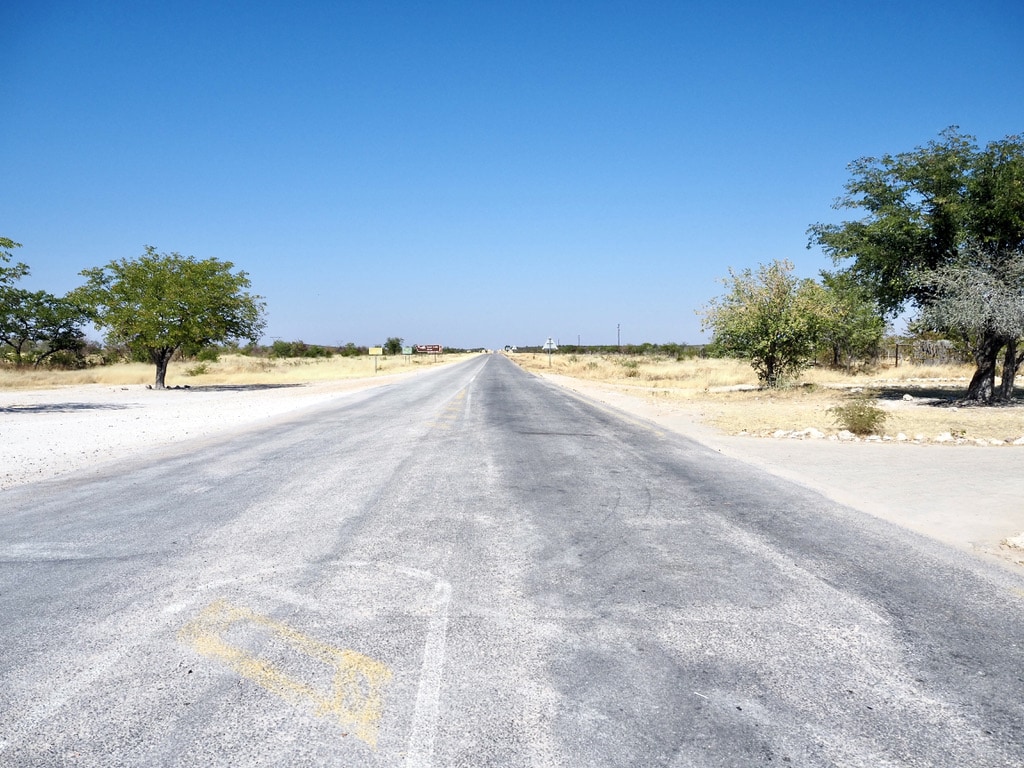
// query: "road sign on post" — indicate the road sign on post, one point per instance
point(429, 349)
point(549, 347)
point(376, 352)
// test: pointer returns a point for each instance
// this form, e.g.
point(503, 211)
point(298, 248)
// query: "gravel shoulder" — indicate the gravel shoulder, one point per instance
point(966, 496)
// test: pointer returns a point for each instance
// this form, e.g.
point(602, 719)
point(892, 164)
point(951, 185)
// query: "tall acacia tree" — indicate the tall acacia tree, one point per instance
point(158, 303)
point(929, 211)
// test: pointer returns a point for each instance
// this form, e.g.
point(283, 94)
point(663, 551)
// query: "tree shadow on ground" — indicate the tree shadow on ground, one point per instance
point(239, 387)
point(944, 397)
point(63, 407)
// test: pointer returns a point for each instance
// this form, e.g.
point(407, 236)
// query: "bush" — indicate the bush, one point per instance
point(860, 415)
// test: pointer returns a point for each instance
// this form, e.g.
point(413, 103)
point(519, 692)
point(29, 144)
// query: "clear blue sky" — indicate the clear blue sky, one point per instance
point(474, 173)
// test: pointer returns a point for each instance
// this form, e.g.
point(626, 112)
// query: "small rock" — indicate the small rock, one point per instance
point(902, 438)
point(908, 398)
point(1019, 441)
point(780, 433)
point(996, 441)
point(980, 441)
point(945, 437)
point(846, 435)
point(1016, 542)
point(920, 438)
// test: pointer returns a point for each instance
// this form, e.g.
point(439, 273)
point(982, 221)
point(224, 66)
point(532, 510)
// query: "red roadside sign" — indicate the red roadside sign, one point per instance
point(433, 349)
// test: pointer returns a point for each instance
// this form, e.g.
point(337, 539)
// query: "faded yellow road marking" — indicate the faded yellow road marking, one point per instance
point(451, 413)
point(355, 699)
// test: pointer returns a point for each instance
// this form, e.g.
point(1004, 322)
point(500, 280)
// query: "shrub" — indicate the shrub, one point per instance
point(860, 415)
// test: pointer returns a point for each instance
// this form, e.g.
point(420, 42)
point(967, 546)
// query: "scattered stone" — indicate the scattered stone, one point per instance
point(1015, 542)
point(908, 397)
point(1019, 441)
point(780, 433)
point(846, 436)
point(919, 438)
point(980, 441)
point(945, 437)
point(901, 438)
point(996, 441)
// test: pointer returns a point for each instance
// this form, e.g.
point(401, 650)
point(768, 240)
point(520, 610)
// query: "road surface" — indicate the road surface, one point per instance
point(476, 568)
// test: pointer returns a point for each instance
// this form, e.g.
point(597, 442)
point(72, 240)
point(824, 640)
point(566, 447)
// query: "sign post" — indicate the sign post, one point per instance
point(430, 349)
point(376, 352)
point(549, 347)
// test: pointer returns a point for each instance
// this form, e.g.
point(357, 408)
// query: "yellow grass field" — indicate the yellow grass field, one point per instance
point(725, 394)
point(230, 369)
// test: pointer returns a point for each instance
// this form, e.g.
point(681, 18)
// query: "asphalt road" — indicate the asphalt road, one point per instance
point(475, 568)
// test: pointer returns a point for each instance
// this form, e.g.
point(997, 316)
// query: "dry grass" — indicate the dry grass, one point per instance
point(230, 369)
point(725, 394)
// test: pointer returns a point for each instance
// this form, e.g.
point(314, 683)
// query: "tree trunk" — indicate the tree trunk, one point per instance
point(1011, 361)
point(986, 356)
point(160, 358)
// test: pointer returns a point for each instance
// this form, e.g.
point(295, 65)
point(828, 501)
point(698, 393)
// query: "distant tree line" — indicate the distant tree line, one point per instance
point(670, 349)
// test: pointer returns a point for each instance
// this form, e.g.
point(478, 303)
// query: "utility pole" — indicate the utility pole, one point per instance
point(618, 336)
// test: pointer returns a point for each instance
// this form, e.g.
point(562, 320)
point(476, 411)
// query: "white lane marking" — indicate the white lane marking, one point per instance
point(428, 697)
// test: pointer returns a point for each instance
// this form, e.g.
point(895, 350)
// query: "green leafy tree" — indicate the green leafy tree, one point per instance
point(927, 211)
point(769, 317)
point(36, 325)
point(393, 346)
point(852, 326)
point(158, 303)
point(10, 274)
